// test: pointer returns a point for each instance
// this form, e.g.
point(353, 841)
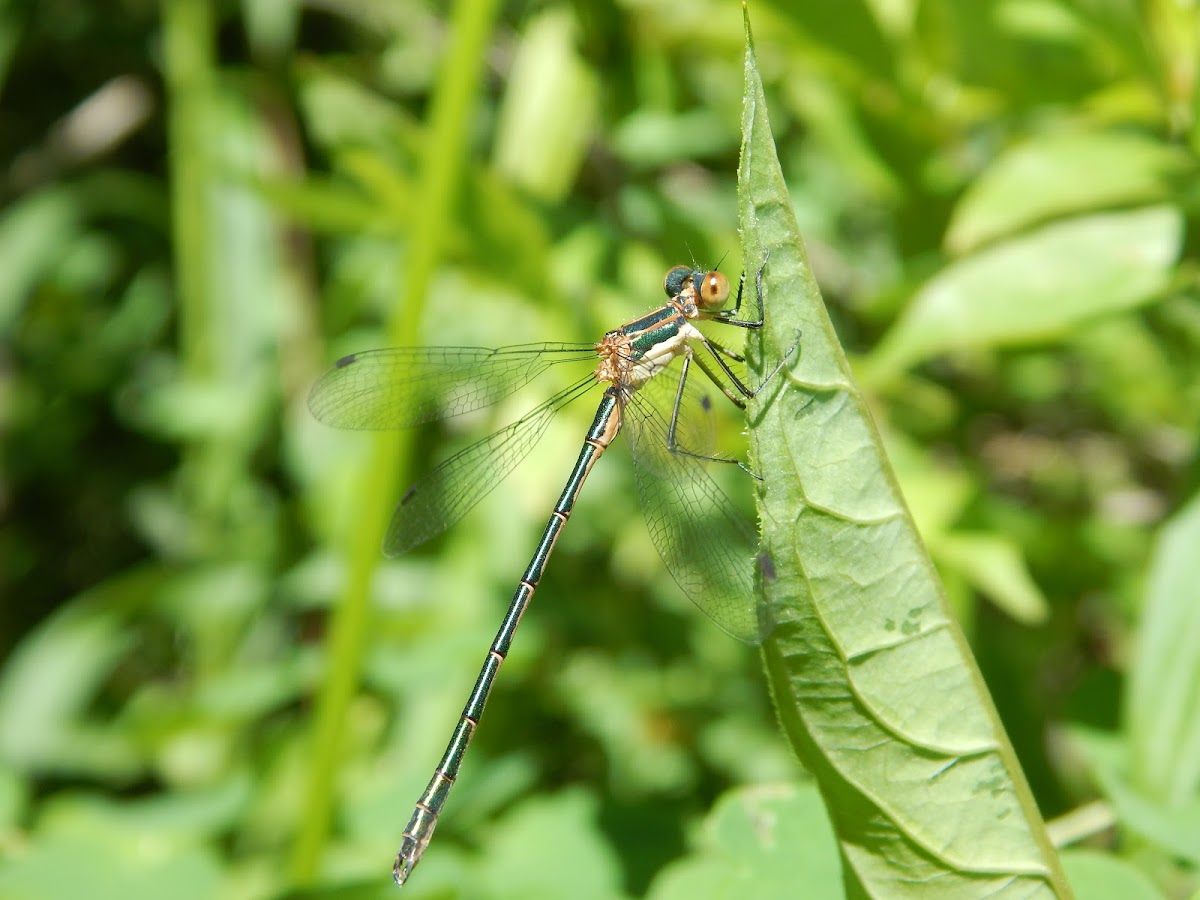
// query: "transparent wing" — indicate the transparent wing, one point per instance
point(447, 493)
point(405, 386)
point(694, 428)
point(708, 546)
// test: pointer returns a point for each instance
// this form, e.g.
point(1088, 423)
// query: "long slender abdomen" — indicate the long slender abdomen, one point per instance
point(419, 831)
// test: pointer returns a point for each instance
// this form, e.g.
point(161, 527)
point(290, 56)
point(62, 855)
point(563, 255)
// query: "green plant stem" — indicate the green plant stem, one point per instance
point(454, 98)
point(188, 39)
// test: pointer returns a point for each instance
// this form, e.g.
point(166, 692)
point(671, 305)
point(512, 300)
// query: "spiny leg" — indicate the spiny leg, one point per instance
point(747, 393)
point(672, 444)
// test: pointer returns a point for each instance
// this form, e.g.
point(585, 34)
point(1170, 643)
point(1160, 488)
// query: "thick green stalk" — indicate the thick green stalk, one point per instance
point(454, 98)
point(188, 39)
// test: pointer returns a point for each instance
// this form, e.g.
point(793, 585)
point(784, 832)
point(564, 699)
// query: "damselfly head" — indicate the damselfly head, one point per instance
point(708, 290)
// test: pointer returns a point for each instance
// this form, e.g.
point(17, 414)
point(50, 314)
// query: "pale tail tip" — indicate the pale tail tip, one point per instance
point(402, 869)
point(406, 860)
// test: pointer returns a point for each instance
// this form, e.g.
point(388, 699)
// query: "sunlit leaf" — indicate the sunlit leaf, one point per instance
point(552, 94)
point(993, 565)
point(545, 845)
point(1036, 287)
point(1097, 876)
point(1172, 823)
point(1162, 708)
point(1062, 174)
point(765, 841)
point(872, 680)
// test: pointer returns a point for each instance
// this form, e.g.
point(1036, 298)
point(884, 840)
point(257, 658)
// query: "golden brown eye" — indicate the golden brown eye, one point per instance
point(676, 276)
point(714, 290)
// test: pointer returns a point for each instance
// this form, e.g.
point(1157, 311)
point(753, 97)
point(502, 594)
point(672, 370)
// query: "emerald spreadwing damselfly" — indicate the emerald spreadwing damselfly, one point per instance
point(705, 542)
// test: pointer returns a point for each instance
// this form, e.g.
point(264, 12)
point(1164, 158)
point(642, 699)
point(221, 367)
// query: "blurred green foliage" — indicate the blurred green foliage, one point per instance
point(204, 205)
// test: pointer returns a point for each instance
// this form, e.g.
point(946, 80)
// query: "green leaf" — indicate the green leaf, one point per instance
point(872, 679)
point(1162, 709)
point(123, 859)
point(1173, 824)
point(549, 109)
point(1036, 287)
point(1100, 877)
point(48, 684)
point(993, 565)
point(850, 29)
point(547, 843)
point(33, 232)
point(764, 841)
point(1062, 174)
point(651, 138)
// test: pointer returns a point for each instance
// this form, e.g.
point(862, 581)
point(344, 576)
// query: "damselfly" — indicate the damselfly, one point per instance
point(706, 544)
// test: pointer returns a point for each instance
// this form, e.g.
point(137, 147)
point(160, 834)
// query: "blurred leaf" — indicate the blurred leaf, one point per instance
point(1097, 876)
point(178, 816)
point(496, 225)
point(342, 114)
point(994, 566)
point(872, 680)
point(391, 189)
point(33, 233)
point(766, 841)
point(271, 27)
point(1175, 828)
point(935, 492)
point(14, 799)
point(325, 205)
point(612, 704)
point(549, 109)
point(1136, 376)
point(1045, 20)
point(651, 138)
point(1056, 175)
point(507, 234)
point(196, 410)
point(549, 847)
point(849, 29)
point(836, 122)
point(48, 685)
point(1162, 704)
point(1035, 288)
point(1173, 825)
point(992, 49)
point(119, 860)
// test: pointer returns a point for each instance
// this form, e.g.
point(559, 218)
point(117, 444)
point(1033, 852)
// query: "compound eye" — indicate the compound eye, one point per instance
point(714, 290)
point(676, 276)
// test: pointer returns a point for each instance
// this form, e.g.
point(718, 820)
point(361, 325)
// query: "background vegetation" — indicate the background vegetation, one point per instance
point(212, 683)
